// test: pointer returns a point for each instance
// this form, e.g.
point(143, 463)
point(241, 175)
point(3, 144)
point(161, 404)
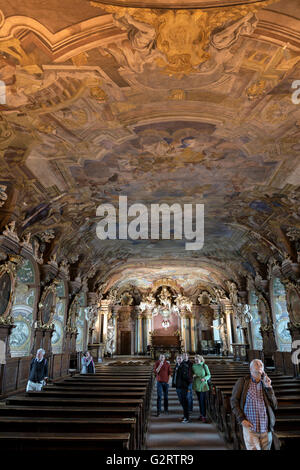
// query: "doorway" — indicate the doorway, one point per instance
point(125, 343)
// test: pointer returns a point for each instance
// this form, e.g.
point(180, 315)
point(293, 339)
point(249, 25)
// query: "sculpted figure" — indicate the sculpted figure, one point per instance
point(138, 49)
point(229, 35)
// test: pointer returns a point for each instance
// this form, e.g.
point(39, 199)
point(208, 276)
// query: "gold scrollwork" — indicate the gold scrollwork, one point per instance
point(182, 36)
point(165, 282)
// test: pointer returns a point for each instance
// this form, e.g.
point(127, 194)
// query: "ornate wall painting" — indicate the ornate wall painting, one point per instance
point(48, 303)
point(57, 337)
point(255, 324)
point(25, 273)
point(20, 338)
point(281, 316)
point(293, 299)
point(264, 311)
point(22, 310)
point(7, 287)
point(59, 319)
point(80, 325)
point(5, 292)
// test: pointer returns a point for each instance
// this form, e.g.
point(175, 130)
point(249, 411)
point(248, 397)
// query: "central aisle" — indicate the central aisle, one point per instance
point(167, 432)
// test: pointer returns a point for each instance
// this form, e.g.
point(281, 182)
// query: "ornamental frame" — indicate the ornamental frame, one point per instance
point(269, 325)
point(51, 289)
point(9, 268)
point(290, 287)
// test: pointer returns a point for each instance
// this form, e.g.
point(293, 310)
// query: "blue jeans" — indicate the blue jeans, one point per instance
point(162, 388)
point(179, 394)
point(190, 397)
point(202, 403)
point(183, 399)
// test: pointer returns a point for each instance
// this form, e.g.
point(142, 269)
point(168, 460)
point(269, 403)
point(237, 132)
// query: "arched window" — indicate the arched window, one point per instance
point(59, 319)
point(255, 324)
point(80, 324)
point(280, 316)
point(22, 310)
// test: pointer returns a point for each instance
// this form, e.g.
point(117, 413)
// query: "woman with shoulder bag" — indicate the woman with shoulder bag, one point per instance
point(200, 384)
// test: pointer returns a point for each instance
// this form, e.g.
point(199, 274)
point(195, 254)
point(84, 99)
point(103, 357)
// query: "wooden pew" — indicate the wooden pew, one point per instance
point(130, 414)
point(71, 425)
point(20, 441)
point(108, 402)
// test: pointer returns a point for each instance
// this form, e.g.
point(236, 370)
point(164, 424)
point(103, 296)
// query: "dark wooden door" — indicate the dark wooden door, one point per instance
point(126, 342)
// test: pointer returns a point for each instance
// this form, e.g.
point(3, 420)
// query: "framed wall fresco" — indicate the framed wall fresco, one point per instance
point(293, 304)
point(281, 316)
point(47, 305)
point(255, 324)
point(7, 288)
point(81, 323)
point(264, 311)
point(23, 310)
point(25, 273)
point(59, 319)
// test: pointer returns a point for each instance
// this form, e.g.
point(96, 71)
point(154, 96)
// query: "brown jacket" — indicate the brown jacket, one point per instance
point(238, 400)
point(164, 373)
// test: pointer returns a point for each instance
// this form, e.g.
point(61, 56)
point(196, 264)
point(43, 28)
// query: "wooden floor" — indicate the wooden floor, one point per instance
point(166, 432)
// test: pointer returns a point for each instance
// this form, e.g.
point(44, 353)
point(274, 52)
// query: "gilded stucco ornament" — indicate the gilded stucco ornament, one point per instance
point(178, 40)
point(256, 90)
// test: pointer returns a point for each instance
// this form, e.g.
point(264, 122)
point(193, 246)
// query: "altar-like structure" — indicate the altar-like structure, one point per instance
point(170, 346)
point(166, 323)
point(165, 318)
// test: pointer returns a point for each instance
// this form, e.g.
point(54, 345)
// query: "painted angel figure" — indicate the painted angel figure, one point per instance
point(133, 53)
point(230, 34)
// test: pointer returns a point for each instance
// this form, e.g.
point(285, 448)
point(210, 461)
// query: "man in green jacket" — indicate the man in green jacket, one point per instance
point(253, 402)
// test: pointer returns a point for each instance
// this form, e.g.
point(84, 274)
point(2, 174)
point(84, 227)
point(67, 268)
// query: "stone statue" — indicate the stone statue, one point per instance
point(36, 253)
point(10, 232)
point(165, 297)
point(110, 338)
point(232, 292)
point(26, 240)
point(230, 34)
point(147, 303)
point(3, 195)
point(53, 260)
point(183, 302)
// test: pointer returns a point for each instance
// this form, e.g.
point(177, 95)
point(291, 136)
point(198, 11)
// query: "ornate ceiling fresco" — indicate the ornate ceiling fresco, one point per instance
point(160, 103)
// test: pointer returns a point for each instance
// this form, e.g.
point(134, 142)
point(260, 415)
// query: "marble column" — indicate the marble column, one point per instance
point(148, 328)
point(140, 334)
point(183, 331)
point(228, 314)
point(192, 320)
point(104, 310)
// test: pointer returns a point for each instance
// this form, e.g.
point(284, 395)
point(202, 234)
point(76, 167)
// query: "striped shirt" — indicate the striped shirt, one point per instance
point(255, 408)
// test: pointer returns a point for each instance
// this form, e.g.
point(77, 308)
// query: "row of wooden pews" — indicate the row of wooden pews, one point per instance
point(287, 390)
point(102, 411)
